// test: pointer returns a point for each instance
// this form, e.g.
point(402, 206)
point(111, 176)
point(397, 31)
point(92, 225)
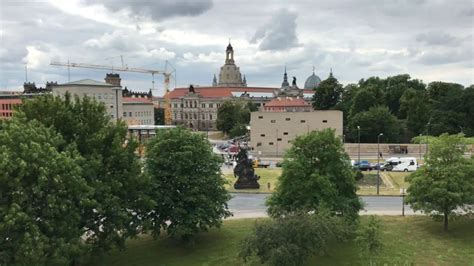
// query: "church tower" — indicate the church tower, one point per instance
point(229, 75)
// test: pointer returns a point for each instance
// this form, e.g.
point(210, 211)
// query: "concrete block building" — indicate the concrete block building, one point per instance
point(271, 133)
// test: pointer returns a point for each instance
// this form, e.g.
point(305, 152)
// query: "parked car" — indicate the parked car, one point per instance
point(386, 167)
point(406, 164)
point(364, 166)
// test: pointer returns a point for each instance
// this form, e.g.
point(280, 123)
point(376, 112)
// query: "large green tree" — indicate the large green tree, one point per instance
point(363, 101)
point(316, 174)
point(327, 94)
point(373, 122)
point(415, 107)
point(445, 182)
point(186, 183)
point(110, 165)
point(232, 116)
point(42, 196)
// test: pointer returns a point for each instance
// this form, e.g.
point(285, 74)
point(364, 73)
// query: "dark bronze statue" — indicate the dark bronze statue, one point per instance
point(245, 172)
point(294, 82)
point(191, 89)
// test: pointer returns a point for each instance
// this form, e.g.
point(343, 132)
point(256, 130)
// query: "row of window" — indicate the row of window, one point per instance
point(7, 106)
point(288, 119)
point(193, 116)
point(193, 104)
point(144, 113)
point(100, 96)
point(6, 114)
point(284, 133)
point(271, 143)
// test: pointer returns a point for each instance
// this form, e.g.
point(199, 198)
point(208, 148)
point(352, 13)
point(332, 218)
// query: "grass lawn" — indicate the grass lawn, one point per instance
point(367, 186)
point(407, 241)
point(267, 175)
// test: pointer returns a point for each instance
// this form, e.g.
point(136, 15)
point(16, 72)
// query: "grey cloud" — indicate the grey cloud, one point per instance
point(438, 38)
point(158, 10)
point(441, 57)
point(279, 33)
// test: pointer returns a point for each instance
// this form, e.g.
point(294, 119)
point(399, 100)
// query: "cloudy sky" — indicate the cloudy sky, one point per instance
point(429, 39)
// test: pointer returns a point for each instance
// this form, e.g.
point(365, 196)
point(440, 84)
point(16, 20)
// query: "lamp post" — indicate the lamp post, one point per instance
point(419, 146)
point(403, 192)
point(378, 162)
point(358, 153)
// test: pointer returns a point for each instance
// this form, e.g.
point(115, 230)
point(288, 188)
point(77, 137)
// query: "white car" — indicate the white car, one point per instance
point(406, 164)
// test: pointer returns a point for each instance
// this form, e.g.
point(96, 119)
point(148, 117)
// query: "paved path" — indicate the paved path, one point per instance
point(253, 205)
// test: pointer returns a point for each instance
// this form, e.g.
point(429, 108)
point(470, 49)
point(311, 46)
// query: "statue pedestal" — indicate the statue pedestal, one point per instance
point(249, 184)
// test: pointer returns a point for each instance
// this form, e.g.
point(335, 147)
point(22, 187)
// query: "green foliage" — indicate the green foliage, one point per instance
point(42, 196)
point(327, 94)
point(362, 102)
point(446, 181)
point(396, 87)
point(238, 130)
point(368, 236)
point(358, 175)
point(414, 106)
point(316, 172)
point(232, 114)
point(111, 168)
point(290, 240)
point(186, 183)
point(372, 122)
point(159, 116)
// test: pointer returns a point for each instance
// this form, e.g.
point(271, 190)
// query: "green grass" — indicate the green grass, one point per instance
point(267, 175)
point(367, 186)
point(406, 241)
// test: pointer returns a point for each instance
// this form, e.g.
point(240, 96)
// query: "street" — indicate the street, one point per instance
point(246, 205)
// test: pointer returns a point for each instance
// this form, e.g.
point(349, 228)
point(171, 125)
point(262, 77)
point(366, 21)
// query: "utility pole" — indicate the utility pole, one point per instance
point(358, 153)
point(378, 162)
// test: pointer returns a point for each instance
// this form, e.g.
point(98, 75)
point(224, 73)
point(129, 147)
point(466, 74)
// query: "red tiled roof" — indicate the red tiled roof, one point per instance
point(217, 92)
point(284, 102)
point(136, 100)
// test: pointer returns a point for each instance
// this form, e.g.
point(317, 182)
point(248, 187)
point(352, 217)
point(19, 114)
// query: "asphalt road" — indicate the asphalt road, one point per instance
point(244, 205)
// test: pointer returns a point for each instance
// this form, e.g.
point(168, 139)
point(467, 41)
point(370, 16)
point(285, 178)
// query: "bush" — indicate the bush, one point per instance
point(292, 239)
point(368, 236)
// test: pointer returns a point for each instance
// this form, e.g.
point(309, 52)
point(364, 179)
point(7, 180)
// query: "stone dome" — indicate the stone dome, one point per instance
point(312, 82)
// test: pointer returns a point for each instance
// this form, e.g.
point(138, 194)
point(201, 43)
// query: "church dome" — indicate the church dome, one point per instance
point(312, 82)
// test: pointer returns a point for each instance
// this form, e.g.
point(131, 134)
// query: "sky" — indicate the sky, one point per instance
point(432, 40)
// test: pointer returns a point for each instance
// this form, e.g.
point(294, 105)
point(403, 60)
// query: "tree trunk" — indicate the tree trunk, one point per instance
point(445, 221)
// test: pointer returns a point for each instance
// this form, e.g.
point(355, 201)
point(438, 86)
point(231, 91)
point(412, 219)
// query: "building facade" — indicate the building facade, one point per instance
point(271, 132)
point(196, 107)
point(8, 104)
point(138, 111)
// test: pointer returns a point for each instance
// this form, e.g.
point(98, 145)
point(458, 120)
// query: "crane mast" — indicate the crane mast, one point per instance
point(166, 74)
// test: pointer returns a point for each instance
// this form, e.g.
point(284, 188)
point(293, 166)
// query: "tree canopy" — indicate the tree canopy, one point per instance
point(186, 183)
point(316, 174)
point(327, 94)
point(446, 181)
point(233, 116)
point(42, 196)
point(373, 122)
point(110, 165)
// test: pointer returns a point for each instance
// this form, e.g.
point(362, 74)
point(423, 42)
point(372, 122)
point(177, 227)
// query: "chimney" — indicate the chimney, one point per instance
point(113, 79)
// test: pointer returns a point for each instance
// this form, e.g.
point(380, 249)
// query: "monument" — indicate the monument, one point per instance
point(247, 179)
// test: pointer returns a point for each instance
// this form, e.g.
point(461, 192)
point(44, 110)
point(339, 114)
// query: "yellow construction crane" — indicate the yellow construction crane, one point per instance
point(166, 74)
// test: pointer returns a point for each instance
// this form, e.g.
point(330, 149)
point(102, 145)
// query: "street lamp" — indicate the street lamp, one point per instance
point(419, 146)
point(378, 162)
point(403, 193)
point(358, 153)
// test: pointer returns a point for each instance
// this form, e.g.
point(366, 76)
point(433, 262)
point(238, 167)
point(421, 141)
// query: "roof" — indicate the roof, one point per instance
point(287, 102)
point(87, 82)
point(312, 82)
point(136, 100)
point(222, 92)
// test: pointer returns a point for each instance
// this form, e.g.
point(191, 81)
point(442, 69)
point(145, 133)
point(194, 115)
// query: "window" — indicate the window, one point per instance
point(259, 144)
point(203, 117)
point(273, 121)
point(262, 135)
point(182, 105)
point(303, 121)
point(270, 143)
point(278, 139)
point(111, 106)
point(203, 105)
point(289, 141)
point(186, 104)
point(260, 117)
point(195, 116)
point(124, 114)
point(185, 116)
point(130, 114)
point(325, 121)
point(210, 117)
point(211, 105)
point(287, 119)
point(285, 133)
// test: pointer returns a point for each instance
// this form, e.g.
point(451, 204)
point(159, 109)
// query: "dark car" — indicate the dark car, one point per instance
point(364, 166)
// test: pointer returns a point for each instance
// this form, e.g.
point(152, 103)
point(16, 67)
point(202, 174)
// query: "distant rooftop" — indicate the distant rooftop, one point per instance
point(87, 82)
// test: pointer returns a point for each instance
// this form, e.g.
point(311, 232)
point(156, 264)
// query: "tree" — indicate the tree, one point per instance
point(373, 122)
point(396, 87)
point(292, 239)
point(368, 236)
point(42, 195)
point(186, 183)
point(362, 102)
point(232, 114)
point(110, 166)
point(446, 181)
point(316, 173)
point(415, 107)
point(159, 116)
point(327, 94)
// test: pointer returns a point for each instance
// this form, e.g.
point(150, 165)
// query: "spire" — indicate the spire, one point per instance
point(330, 73)
point(285, 80)
point(214, 81)
point(244, 82)
point(313, 70)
